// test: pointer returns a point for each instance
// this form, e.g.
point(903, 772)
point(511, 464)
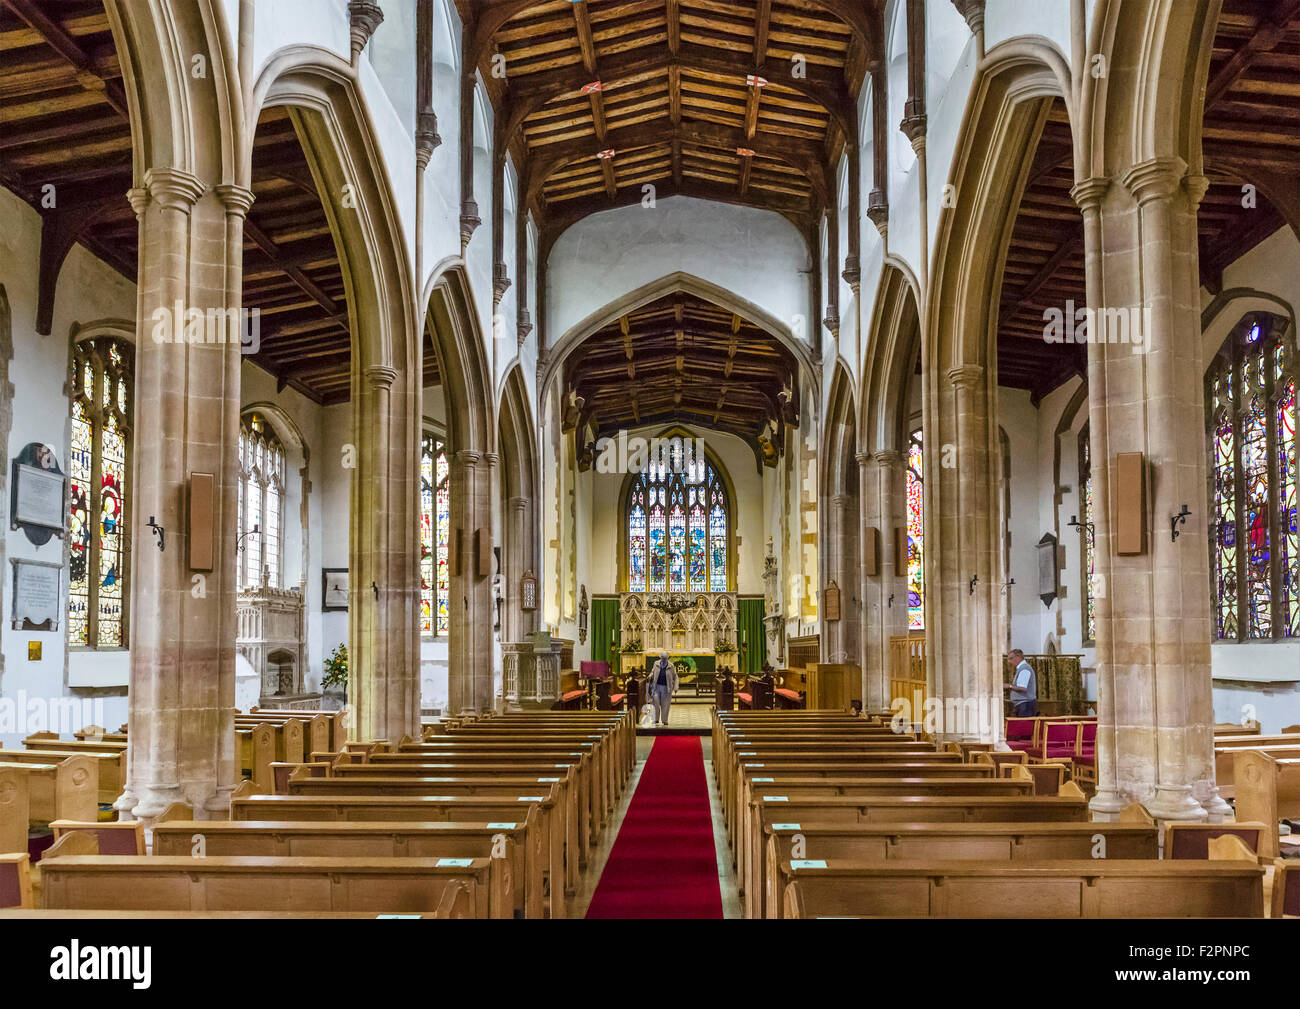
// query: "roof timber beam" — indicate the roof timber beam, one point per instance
point(531, 92)
point(487, 17)
point(712, 135)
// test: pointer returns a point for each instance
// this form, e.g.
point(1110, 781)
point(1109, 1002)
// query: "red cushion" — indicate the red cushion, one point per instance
point(1089, 733)
point(746, 696)
point(1019, 744)
point(616, 698)
point(786, 692)
point(1020, 728)
point(573, 695)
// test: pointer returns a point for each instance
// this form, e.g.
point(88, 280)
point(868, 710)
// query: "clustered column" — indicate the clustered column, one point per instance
point(884, 595)
point(470, 661)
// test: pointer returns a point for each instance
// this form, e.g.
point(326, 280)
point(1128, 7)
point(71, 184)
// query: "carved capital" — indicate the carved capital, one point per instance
point(878, 211)
point(888, 457)
point(914, 123)
point(1155, 179)
point(973, 12)
point(380, 376)
point(364, 16)
point(500, 282)
point(1197, 186)
point(965, 376)
point(853, 273)
point(469, 222)
point(523, 325)
point(173, 189)
point(426, 138)
point(236, 199)
point(467, 457)
point(832, 324)
point(138, 197)
point(1089, 193)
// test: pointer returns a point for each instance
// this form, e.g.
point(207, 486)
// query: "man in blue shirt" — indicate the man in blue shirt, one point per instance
point(663, 684)
point(1023, 685)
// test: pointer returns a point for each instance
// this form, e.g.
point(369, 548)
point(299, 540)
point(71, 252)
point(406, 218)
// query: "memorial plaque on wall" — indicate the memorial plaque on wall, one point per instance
point(37, 494)
point(1048, 570)
point(36, 592)
point(831, 601)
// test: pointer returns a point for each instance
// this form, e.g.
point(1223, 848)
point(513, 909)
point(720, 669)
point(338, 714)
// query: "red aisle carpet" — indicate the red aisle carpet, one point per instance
point(664, 864)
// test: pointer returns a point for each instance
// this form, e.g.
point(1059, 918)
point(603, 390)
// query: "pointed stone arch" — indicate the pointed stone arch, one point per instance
point(1011, 99)
point(342, 149)
point(521, 503)
point(840, 515)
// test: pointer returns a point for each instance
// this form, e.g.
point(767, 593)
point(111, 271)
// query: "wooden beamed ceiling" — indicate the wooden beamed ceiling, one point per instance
point(1251, 136)
point(601, 98)
point(682, 359)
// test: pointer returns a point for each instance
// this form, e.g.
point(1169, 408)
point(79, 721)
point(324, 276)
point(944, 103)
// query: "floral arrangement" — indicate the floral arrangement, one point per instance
point(336, 669)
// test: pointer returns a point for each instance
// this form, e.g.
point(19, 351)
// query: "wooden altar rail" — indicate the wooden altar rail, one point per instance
point(907, 673)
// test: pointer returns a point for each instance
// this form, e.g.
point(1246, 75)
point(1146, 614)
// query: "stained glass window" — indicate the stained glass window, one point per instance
point(1087, 546)
point(1251, 405)
point(677, 516)
point(262, 475)
point(98, 493)
point(435, 533)
point(915, 535)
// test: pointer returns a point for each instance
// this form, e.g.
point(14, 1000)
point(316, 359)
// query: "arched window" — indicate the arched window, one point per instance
point(261, 504)
point(678, 521)
point(1250, 394)
point(435, 527)
point(915, 534)
point(1087, 546)
point(102, 404)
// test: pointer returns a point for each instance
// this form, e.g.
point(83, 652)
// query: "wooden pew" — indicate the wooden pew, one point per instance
point(510, 840)
point(1286, 889)
point(50, 741)
point(791, 792)
point(113, 837)
point(1268, 790)
point(922, 842)
point(545, 847)
point(1095, 888)
point(767, 809)
point(111, 767)
point(16, 879)
point(15, 810)
point(63, 788)
point(290, 736)
point(610, 744)
point(559, 783)
point(325, 730)
point(1226, 750)
point(1192, 840)
point(255, 749)
point(178, 883)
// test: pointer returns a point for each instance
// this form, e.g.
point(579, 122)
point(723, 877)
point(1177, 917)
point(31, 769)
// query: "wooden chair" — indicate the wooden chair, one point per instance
point(114, 837)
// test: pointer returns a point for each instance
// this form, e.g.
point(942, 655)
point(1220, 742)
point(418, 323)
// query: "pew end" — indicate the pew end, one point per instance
point(1228, 847)
point(1071, 790)
point(176, 811)
point(1286, 889)
point(16, 881)
point(115, 837)
point(74, 842)
point(1135, 812)
point(1198, 840)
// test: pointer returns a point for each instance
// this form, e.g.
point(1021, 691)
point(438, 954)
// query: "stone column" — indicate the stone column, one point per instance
point(383, 637)
point(469, 652)
point(182, 635)
point(883, 478)
point(1155, 724)
point(518, 557)
point(961, 561)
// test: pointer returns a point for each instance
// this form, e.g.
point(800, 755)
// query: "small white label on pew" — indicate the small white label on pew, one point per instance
point(378, 916)
point(746, 754)
point(502, 826)
point(808, 863)
point(755, 765)
point(440, 798)
point(785, 826)
point(460, 863)
point(776, 798)
point(547, 780)
point(532, 798)
point(561, 765)
point(757, 780)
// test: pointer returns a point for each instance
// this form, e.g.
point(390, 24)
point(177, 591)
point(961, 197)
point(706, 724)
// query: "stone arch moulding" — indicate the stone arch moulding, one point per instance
point(889, 355)
point(450, 313)
point(554, 356)
point(1150, 101)
point(1226, 310)
point(840, 471)
point(178, 121)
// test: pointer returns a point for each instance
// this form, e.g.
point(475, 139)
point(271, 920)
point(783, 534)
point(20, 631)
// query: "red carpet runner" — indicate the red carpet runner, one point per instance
point(664, 864)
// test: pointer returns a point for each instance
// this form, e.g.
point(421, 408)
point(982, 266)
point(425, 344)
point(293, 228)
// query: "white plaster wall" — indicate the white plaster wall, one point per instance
point(87, 291)
point(757, 255)
point(1004, 19)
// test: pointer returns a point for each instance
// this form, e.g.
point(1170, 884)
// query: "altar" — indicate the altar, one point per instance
point(696, 629)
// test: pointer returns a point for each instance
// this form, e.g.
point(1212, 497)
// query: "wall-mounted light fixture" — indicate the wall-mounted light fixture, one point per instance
point(159, 531)
point(1175, 521)
point(1088, 527)
point(240, 544)
point(970, 586)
